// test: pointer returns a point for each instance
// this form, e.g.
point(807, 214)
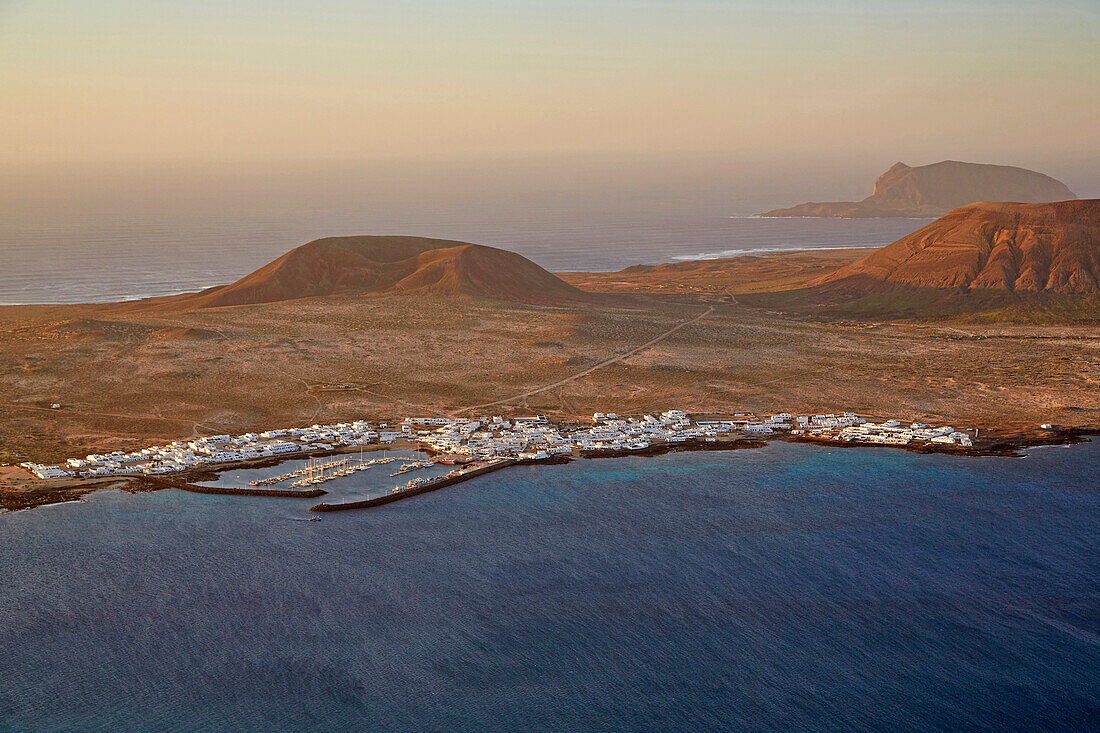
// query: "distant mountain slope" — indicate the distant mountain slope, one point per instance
point(388, 264)
point(1036, 263)
point(1000, 246)
point(771, 272)
point(933, 190)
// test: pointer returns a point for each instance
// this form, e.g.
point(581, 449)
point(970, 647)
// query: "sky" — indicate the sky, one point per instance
point(766, 88)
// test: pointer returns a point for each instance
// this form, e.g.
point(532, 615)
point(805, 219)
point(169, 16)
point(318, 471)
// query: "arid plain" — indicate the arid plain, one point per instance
point(665, 336)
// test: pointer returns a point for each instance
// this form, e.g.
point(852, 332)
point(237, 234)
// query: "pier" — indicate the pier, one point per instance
point(414, 466)
point(533, 437)
point(279, 479)
point(233, 491)
point(319, 472)
point(454, 477)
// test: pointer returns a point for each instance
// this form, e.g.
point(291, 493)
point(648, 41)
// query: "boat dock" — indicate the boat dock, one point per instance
point(418, 487)
point(318, 472)
point(414, 466)
point(278, 479)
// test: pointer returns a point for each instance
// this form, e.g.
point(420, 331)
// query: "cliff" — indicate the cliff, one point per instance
point(933, 190)
point(994, 246)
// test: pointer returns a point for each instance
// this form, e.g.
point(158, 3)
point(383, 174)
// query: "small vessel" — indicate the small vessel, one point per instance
point(406, 467)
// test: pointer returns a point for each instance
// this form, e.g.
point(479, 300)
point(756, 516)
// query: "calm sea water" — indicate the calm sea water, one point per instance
point(787, 588)
point(107, 261)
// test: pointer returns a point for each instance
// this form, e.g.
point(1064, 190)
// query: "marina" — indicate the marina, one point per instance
point(316, 472)
point(346, 477)
point(472, 442)
point(442, 451)
point(418, 486)
point(414, 466)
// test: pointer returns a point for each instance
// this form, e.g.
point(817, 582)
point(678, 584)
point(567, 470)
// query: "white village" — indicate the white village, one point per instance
point(531, 438)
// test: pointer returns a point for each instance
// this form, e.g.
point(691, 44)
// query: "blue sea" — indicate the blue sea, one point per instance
point(791, 588)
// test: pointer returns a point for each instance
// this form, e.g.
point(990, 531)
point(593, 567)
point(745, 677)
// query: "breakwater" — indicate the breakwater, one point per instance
point(424, 488)
point(231, 491)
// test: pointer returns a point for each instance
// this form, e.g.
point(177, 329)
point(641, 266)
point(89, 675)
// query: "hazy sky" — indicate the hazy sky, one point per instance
point(860, 84)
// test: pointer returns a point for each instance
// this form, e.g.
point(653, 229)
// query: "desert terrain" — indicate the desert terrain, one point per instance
point(668, 336)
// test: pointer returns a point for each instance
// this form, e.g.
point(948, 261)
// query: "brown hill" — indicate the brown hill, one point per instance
point(933, 190)
point(386, 264)
point(992, 246)
point(1001, 262)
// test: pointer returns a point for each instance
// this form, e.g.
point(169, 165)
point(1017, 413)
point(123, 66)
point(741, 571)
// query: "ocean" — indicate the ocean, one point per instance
point(791, 587)
point(103, 260)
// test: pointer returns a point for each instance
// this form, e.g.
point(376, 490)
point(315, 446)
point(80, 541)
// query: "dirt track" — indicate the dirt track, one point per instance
point(128, 379)
point(579, 375)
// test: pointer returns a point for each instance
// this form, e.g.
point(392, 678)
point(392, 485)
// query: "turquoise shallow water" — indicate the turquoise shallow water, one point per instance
point(792, 587)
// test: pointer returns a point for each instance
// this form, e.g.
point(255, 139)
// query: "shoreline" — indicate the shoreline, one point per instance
point(107, 299)
point(1005, 447)
point(1008, 446)
point(429, 486)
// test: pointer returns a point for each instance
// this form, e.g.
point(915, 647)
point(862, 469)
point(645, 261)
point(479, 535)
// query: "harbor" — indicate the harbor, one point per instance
point(530, 437)
point(319, 471)
point(232, 491)
point(334, 459)
point(408, 467)
point(339, 477)
point(420, 486)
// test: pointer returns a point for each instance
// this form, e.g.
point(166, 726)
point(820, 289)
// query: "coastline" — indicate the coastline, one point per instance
point(429, 486)
point(620, 238)
point(1004, 446)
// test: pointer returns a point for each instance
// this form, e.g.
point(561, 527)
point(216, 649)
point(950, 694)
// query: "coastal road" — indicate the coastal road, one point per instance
point(589, 370)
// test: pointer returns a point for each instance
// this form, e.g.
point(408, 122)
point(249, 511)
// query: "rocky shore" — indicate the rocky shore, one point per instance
point(1007, 444)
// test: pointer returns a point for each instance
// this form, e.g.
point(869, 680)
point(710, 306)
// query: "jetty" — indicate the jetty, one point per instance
point(318, 472)
point(419, 486)
point(279, 479)
point(233, 491)
point(414, 466)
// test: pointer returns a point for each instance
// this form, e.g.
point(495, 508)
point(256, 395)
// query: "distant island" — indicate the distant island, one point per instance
point(934, 190)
